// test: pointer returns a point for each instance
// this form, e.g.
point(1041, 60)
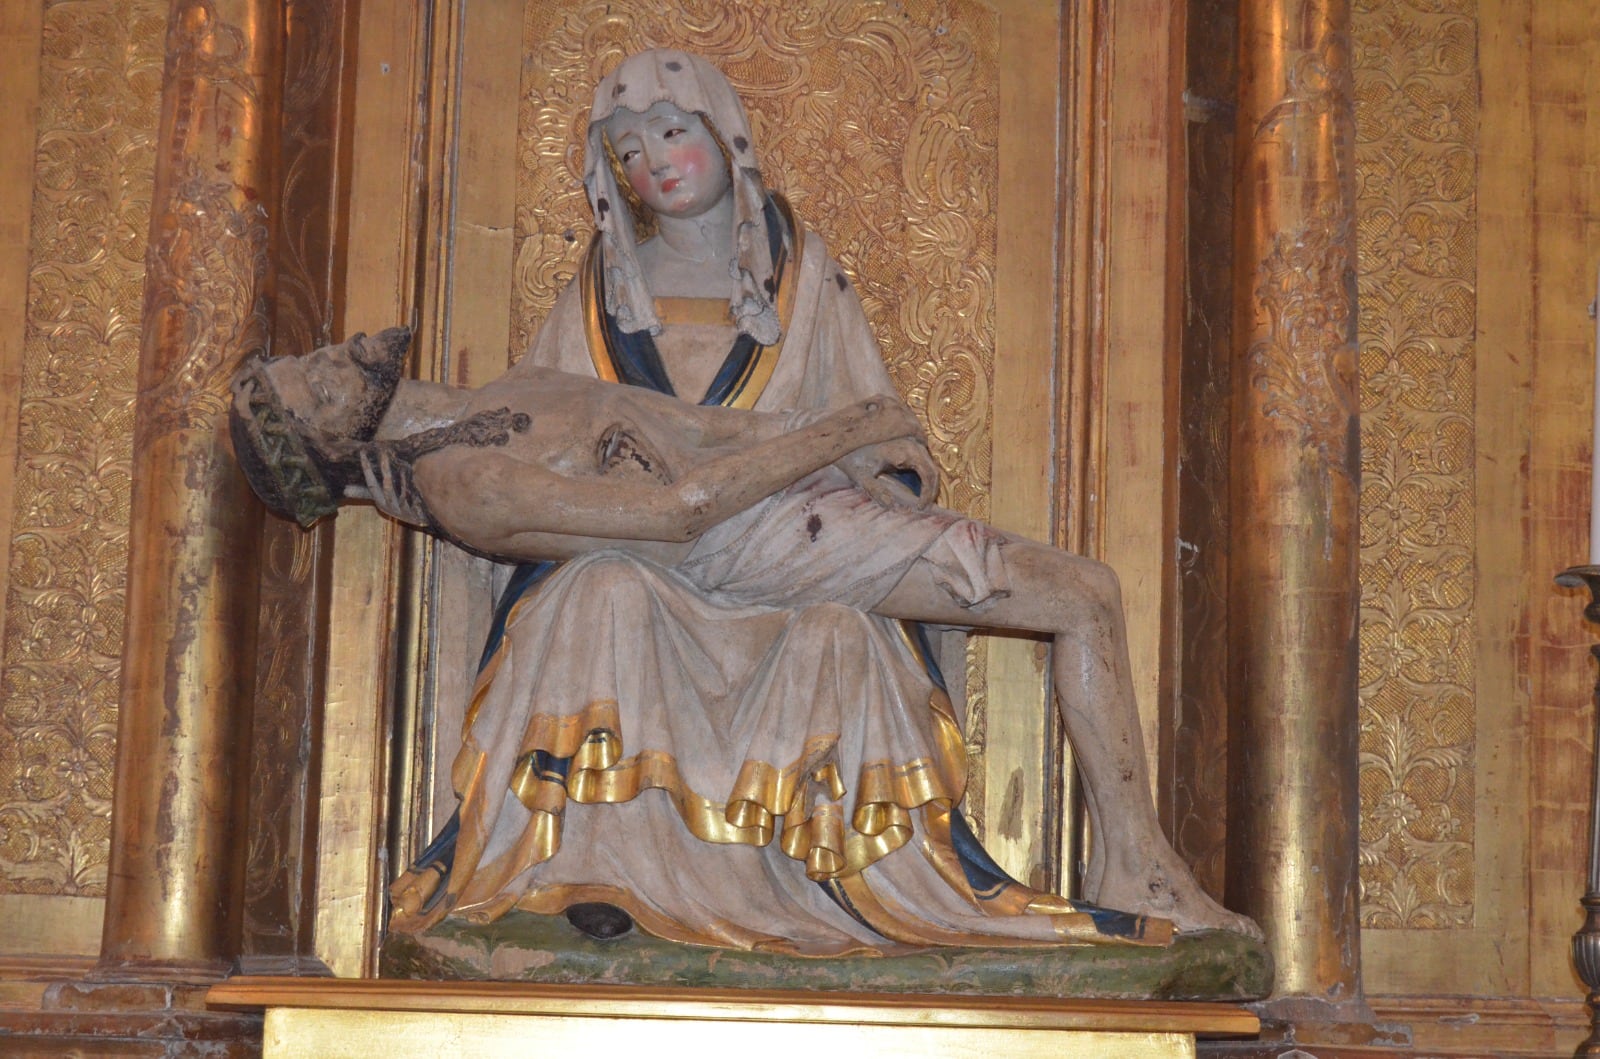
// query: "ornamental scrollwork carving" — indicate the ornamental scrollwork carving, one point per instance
point(205, 271)
point(1318, 87)
point(1304, 367)
point(209, 256)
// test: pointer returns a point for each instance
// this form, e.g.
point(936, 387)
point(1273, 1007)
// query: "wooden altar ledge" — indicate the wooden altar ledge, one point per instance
point(334, 1018)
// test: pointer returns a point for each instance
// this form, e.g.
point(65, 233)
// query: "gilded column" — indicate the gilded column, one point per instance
point(172, 903)
point(1293, 590)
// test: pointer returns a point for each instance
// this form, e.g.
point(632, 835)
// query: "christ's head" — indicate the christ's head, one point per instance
point(298, 422)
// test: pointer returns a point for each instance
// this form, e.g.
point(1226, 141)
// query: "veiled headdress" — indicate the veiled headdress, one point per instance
point(692, 84)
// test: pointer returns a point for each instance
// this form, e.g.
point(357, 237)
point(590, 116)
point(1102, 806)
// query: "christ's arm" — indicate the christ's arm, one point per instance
point(874, 468)
point(509, 508)
point(719, 426)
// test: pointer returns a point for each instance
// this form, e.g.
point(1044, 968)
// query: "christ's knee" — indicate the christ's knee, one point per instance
point(1102, 591)
point(1085, 593)
point(1092, 597)
point(1091, 644)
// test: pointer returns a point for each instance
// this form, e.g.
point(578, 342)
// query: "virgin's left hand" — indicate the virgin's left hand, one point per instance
point(871, 467)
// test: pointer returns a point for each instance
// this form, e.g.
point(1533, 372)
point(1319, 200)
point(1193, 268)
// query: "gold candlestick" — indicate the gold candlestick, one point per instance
point(1586, 942)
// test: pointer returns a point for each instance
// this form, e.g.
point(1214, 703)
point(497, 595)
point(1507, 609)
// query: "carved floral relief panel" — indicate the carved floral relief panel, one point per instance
point(879, 122)
point(1417, 121)
point(100, 93)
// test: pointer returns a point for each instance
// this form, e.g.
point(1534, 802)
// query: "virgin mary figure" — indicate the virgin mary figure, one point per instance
point(729, 773)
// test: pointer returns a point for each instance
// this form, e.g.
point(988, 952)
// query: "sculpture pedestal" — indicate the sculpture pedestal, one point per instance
point(519, 946)
point(334, 1018)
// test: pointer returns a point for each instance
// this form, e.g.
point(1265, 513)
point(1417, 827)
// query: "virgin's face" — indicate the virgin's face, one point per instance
point(670, 159)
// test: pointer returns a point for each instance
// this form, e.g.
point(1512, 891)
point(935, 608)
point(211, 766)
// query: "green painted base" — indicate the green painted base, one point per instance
point(523, 947)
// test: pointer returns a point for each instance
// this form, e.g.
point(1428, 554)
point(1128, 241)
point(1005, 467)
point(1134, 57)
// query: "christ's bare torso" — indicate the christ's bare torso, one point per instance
point(581, 430)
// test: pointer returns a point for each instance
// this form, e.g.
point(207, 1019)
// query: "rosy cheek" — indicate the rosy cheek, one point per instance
point(639, 180)
point(691, 159)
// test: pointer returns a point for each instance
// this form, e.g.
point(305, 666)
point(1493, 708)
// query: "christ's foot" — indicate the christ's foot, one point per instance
point(1163, 886)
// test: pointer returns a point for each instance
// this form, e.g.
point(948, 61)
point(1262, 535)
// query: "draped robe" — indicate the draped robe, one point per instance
point(730, 773)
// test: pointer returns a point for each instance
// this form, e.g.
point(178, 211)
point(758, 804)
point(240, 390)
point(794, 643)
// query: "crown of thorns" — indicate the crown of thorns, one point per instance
point(285, 466)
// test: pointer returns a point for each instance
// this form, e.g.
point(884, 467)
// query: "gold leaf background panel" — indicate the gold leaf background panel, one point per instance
point(880, 123)
point(1416, 158)
point(100, 92)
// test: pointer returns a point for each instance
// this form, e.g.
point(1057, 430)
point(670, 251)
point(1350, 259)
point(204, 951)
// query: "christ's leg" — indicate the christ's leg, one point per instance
point(1077, 601)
